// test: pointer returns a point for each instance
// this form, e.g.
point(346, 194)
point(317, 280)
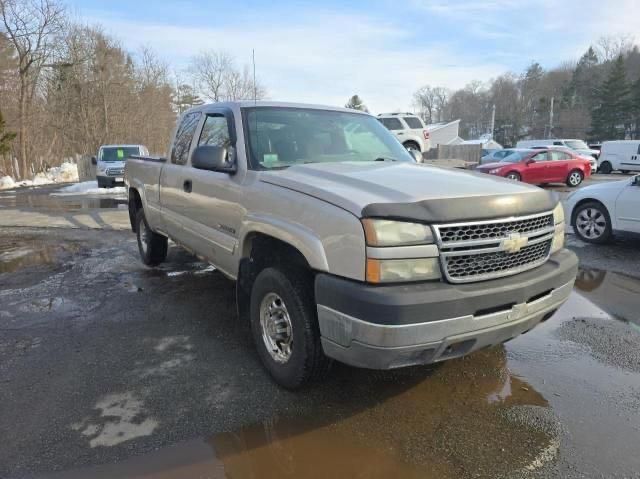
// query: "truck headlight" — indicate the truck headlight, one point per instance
point(402, 270)
point(558, 235)
point(395, 233)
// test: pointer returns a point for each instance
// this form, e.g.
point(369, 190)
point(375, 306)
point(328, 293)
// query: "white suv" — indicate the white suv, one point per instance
point(409, 129)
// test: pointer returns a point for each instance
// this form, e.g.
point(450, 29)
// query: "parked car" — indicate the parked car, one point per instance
point(598, 211)
point(341, 246)
point(496, 155)
point(408, 129)
point(592, 161)
point(110, 162)
point(577, 146)
point(541, 167)
point(623, 155)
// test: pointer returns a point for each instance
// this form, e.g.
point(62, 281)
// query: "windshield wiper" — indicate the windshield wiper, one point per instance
point(384, 158)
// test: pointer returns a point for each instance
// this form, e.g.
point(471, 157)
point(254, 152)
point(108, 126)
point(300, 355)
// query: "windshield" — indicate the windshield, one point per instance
point(282, 137)
point(516, 157)
point(119, 153)
point(576, 144)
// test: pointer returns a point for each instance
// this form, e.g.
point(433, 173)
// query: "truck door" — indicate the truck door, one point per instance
point(214, 205)
point(628, 208)
point(175, 177)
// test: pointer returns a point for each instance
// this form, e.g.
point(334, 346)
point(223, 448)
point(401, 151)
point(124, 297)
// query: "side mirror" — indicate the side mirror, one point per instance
point(213, 158)
point(94, 160)
point(529, 161)
point(416, 156)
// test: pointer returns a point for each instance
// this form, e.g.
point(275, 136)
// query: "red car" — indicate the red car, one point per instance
point(541, 166)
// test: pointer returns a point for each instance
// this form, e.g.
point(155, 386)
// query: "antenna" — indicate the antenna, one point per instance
point(255, 90)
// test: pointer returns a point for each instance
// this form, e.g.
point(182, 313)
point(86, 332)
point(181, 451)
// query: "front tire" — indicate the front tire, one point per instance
point(411, 146)
point(592, 223)
point(514, 176)
point(606, 168)
point(153, 247)
point(285, 327)
point(575, 178)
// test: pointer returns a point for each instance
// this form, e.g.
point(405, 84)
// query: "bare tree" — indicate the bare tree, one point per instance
point(210, 71)
point(31, 26)
point(215, 75)
point(610, 47)
point(425, 99)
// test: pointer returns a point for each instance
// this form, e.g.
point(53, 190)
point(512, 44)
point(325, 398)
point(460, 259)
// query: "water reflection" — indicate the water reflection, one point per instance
point(26, 252)
point(615, 293)
point(446, 422)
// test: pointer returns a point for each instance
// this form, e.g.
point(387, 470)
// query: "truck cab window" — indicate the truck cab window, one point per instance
point(182, 143)
point(215, 132)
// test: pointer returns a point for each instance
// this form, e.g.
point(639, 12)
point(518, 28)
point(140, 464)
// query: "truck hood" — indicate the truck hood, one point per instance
point(412, 191)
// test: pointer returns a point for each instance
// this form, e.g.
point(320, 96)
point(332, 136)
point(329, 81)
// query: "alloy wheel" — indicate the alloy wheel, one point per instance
point(591, 223)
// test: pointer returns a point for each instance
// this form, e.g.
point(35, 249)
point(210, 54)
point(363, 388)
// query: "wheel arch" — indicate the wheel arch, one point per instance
point(135, 205)
point(412, 141)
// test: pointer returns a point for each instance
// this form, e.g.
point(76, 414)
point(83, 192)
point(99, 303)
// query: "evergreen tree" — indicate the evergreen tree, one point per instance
point(581, 89)
point(355, 103)
point(611, 110)
point(635, 107)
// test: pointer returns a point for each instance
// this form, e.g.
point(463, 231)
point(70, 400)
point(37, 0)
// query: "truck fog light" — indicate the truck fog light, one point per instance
point(402, 270)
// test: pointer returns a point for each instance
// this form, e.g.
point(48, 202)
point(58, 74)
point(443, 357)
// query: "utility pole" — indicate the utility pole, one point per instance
point(551, 118)
point(493, 119)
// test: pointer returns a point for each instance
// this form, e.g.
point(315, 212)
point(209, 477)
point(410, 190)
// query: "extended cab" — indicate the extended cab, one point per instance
point(342, 246)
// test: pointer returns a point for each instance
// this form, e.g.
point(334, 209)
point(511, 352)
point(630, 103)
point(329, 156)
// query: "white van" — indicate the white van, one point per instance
point(623, 155)
point(578, 146)
point(110, 163)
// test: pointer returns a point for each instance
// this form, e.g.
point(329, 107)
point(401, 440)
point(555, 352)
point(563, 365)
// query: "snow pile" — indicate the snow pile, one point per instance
point(89, 188)
point(65, 173)
point(6, 182)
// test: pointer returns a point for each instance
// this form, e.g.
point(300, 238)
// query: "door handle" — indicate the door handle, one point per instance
point(187, 186)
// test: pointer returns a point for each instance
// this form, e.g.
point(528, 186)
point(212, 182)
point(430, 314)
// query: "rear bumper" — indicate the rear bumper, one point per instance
point(385, 327)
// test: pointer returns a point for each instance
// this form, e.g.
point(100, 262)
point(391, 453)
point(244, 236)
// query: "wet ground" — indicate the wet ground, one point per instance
point(111, 369)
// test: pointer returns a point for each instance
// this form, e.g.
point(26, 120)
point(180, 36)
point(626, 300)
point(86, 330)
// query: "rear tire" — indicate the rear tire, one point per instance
point(605, 167)
point(411, 146)
point(285, 327)
point(592, 223)
point(575, 178)
point(153, 247)
point(514, 176)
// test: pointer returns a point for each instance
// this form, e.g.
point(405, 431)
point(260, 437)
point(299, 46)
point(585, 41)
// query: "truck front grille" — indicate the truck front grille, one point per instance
point(115, 171)
point(491, 249)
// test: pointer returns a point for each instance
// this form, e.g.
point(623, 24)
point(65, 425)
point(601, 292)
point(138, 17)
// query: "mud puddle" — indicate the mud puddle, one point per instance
point(41, 198)
point(465, 418)
point(20, 253)
point(617, 294)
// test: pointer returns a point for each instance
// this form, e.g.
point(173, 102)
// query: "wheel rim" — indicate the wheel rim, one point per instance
point(411, 148)
point(144, 237)
point(277, 332)
point(591, 223)
point(575, 178)
point(513, 176)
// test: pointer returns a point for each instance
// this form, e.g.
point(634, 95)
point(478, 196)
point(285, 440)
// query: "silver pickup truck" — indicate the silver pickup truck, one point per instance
point(342, 246)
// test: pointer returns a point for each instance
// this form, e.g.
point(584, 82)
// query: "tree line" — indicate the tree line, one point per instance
point(66, 88)
point(596, 98)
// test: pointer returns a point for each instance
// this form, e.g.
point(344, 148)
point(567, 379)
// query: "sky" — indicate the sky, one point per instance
point(382, 50)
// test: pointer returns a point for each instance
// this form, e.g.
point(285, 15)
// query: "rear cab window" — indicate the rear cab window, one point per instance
point(184, 135)
point(392, 123)
point(414, 122)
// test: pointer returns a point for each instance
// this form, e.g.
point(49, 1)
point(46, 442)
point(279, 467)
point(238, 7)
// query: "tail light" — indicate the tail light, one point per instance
point(426, 134)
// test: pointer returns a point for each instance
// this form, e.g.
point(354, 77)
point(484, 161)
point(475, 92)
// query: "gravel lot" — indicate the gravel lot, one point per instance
point(112, 369)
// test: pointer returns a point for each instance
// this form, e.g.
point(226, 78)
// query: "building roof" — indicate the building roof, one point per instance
point(437, 126)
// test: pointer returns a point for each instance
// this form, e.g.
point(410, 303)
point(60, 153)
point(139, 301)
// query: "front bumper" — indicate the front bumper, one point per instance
point(385, 327)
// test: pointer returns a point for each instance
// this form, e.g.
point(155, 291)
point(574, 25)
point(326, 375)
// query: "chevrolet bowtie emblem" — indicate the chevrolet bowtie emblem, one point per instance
point(514, 243)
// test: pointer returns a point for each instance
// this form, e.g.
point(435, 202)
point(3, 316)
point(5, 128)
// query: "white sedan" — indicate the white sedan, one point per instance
point(597, 211)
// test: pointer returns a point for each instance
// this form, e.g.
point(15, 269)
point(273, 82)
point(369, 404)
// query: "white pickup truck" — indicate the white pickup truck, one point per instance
point(341, 245)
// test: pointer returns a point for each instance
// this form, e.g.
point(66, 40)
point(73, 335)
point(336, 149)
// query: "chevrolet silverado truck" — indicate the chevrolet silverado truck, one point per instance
point(342, 247)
